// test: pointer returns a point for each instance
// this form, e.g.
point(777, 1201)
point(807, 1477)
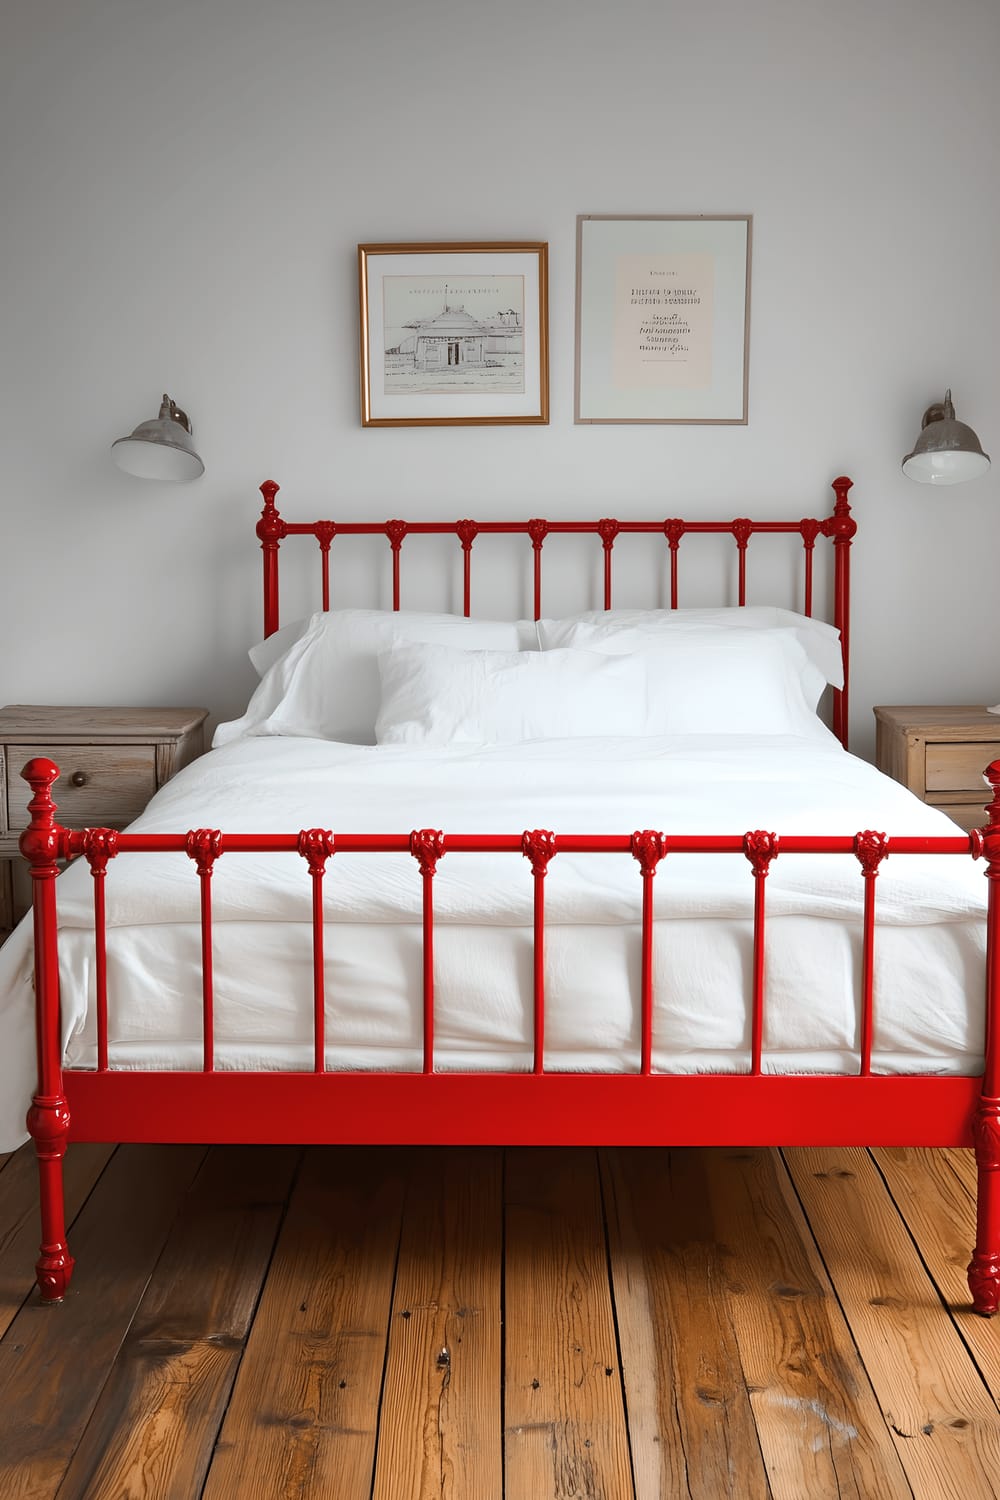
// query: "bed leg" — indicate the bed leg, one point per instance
point(48, 1124)
point(984, 1268)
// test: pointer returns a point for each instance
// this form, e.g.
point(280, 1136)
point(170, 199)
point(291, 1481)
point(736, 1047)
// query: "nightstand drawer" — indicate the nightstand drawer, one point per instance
point(959, 767)
point(966, 814)
point(98, 786)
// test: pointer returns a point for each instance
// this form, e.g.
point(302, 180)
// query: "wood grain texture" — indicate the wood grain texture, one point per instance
point(732, 1333)
point(929, 1187)
point(945, 1425)
point(940, 753)
point(154, 1428)
point(820, 1428)
point(54, 1360)
point(440, 1432)
point(116, 782)
point(20, 1229)
point(690, 1420)
point(304, 1414)
point(565, 1435)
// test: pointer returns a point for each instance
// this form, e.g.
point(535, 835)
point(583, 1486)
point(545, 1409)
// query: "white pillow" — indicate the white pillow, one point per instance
point(326, 685)
point(820, 640)
point(719, 681)
point(266, 652)
point(434, 695)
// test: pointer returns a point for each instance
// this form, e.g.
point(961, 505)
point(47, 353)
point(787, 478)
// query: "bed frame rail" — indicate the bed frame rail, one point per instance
point(890, 1109)
point(838, 527)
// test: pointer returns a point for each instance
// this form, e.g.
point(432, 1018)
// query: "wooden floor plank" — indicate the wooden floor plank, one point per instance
point(962, 1161)
point(440, 1433)
point(690, 1421)
point(55, 1360)
point(20, 1230)
point(820, 1428)
point(945, 1425)
point(565, 1435)
point(941, 1216)
point(154, 1428)
point(722, 1295)
point(303, 1416)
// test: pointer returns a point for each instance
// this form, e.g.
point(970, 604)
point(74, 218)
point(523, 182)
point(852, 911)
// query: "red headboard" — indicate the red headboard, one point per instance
point(839, 528)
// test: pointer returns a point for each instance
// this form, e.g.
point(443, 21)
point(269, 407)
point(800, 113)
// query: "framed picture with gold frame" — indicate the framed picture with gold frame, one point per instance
point(662, 318)
point(454, 334)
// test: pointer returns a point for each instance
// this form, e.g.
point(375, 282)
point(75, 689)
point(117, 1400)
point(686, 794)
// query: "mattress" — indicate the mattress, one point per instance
point(930, 949)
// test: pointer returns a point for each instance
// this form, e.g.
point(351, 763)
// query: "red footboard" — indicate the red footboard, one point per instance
point(647, 1107)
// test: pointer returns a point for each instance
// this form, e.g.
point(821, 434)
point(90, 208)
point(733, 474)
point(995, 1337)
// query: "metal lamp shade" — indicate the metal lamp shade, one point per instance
point(161, 448)
point(947, 451)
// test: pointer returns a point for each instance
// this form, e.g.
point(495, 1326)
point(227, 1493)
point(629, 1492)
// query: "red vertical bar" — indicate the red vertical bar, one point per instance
point(325, 533)
point(427, 847)
point(316, 845)
point(539, 845)
point(742, 529)
point(841, 526)
point(646, 1018)
point(808, 609)
point(428, 924)
point(648, 847)
point(101, 971)
point(870, 848)
point(467, 532)
point(538, 1031)
point(673, 530)
point(207, 974)
point(319, 974)
point(757, 1029)
point(867, 976)
point(607, 530)
point(48, 1118)
point(270, 530)
point(538, 530)
point(204, 845)
point(760, 848)
point(809, 530)
point(984, 1268)
point(395, 531)
point(98, 846)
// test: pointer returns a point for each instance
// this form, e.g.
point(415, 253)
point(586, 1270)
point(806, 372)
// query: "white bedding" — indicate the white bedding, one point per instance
point(931, 946)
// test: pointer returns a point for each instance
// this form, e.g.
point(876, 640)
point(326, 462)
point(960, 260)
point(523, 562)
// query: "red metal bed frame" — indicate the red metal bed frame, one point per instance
point(540, 1107)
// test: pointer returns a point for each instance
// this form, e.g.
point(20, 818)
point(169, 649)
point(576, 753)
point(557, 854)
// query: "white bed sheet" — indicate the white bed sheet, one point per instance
point(930, 956)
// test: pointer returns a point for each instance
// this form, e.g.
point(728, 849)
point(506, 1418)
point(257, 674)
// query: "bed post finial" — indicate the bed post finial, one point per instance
point(271, 530)
point(984, 1268)
point(42, 843)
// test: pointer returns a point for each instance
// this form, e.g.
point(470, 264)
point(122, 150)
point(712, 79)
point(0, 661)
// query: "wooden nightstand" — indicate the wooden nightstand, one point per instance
point(940, 753)
point(111, 761)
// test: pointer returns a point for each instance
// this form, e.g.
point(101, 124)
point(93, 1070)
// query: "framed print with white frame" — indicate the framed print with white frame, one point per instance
point(662, 318)
point(454, 334)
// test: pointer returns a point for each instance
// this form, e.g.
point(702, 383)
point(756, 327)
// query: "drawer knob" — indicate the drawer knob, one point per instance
point(78, 778)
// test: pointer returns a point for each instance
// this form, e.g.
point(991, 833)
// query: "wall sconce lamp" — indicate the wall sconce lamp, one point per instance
point(946, 452)
point(160, 449)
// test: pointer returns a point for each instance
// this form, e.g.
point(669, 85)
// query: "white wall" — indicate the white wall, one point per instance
point(182, 189)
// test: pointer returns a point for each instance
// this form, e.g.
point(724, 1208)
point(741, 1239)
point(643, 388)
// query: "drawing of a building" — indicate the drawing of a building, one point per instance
point(455, 337)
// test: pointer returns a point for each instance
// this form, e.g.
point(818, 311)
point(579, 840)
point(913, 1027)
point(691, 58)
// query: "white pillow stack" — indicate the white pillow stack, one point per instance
point(366, 676)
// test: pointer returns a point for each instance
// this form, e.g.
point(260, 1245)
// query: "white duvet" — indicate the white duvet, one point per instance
point(930, 950)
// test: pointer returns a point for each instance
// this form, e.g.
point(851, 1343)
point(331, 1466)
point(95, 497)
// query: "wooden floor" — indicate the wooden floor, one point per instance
point(399, 1324)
